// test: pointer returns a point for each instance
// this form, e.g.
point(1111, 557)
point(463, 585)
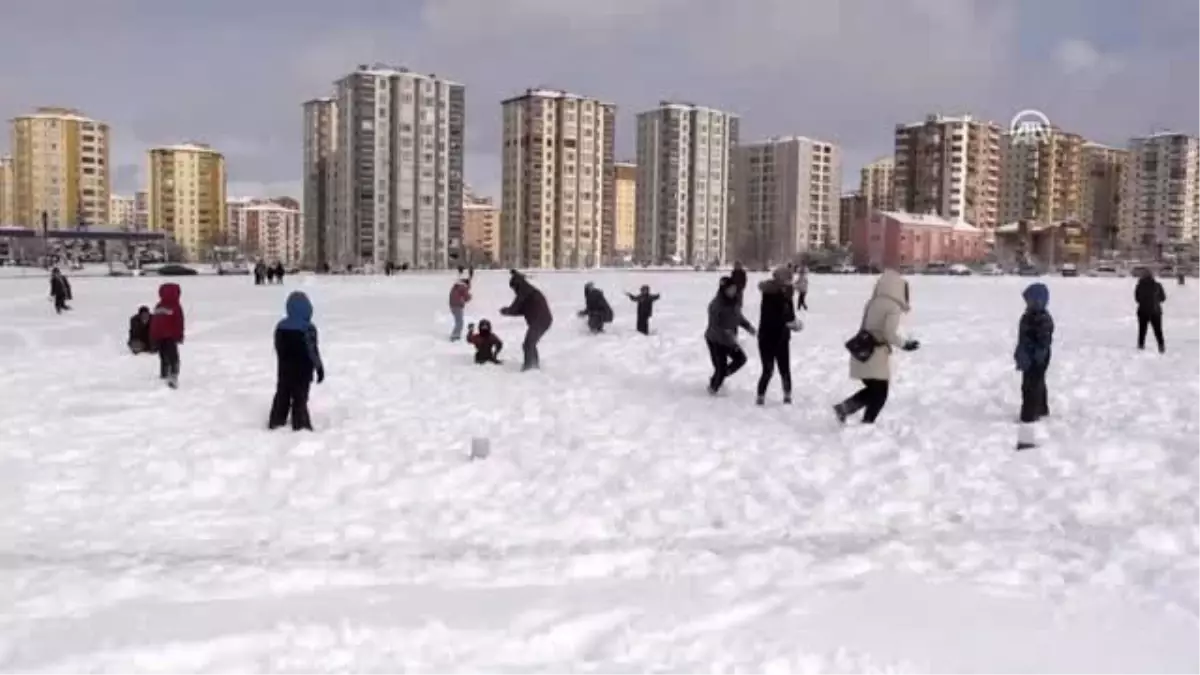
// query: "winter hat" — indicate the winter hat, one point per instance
point(782, 274)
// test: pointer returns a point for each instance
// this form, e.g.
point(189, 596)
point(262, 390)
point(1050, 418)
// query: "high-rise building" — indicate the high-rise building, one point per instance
point(141, 210)
point(852, 211)
point(949, 166)
point(60, 169)
point(320, 146)
point(1041, 180)
point(7, 189)
point(877, 184)
point(1160, 193)
point(121, 212)
point(685, 167)
point(1100, 201)
point(556, 207)
point(187, 197)
point(625, 208)
point(398, 169)
point(272, 231)
point(481, 229)
point(788, 197)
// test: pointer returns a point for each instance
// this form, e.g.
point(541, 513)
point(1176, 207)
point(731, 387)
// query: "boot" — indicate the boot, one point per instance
point(1026, 439)
point(787, 397)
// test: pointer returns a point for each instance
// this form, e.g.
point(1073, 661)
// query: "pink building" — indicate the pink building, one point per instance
point(895, 239)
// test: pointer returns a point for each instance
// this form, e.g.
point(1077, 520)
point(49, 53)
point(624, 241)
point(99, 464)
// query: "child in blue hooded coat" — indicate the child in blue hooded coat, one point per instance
point(298, 356)
point(1035, 336)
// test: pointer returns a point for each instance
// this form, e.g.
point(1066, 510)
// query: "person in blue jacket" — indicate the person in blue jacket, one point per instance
point(298, 357)
point(1035, 336)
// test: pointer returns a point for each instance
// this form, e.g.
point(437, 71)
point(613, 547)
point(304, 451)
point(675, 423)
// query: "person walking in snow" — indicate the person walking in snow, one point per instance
point(1150, 296)
point(645, 308)
point(880, 333)
point(460, 295)
point(260, 273)
point(139, 332)
point(802, 288)
point(1035, 336)
point(60, 290)
point(278, 272)
point(776, 322)
point(487, 344)
point(724, 319)
point(298, 359)
point(167, 331)
point(595, 308)
point(531, 304)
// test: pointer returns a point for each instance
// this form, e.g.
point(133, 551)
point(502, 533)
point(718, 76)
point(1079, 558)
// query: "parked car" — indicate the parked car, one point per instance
point(936, 269)
point(174, 270)
point(844, 268)
point(1104, 270)
point(1069, 270)
point(959, 270)
point(992, 270)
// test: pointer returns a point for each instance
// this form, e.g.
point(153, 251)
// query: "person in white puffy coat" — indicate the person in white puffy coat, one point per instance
point(881, 318)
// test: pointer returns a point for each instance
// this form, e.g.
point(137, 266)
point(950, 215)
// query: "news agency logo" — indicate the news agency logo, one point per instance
point(1029, 127)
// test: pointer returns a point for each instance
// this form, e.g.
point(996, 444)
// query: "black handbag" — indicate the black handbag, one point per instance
point(863, 345)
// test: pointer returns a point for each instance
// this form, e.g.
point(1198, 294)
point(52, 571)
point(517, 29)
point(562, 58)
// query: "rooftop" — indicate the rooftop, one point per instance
point(189, 146)
point(928, 220)
point(778, 140)
point(385, 70)
point(53, 112)
point(549, 92)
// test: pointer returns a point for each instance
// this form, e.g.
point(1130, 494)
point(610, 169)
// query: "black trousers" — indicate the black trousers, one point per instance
point(643, 324)
point(168, 359)
point(1034, 399)
point(60, 303)
point(291, 397)
point(726, 361)
point(801, 302)
point(529, 346)
point(595, 322)
point(1151, 320)
point(871, 397)
point(775, 353)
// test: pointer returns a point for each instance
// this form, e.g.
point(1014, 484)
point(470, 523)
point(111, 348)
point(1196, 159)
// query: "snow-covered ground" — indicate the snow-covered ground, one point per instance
point(625, 520)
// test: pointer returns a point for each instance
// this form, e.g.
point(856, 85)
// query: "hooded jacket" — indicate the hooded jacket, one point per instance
point(528, 302)
point(1035, 332)
point(725, 316)
point(60, 286)
point(1149, 295)
point(167, 323)
point(776, 310)
point(881, 318)
point(596, 305)
point(297, 348)
point(460, 294)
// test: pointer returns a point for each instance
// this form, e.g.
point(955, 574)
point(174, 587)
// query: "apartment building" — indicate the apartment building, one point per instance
point(481, 230)
point(788, 198)
point(1160, 193)
point(7, 189)
point(877, 184)
point(1101, 197)
point(625, 205)
point(1041, 180)
point(122, 212)
point(851, 211)
point(949, 166)
point(320, 146)
point(187, 197)
point(557, 180)
point(273, 231)
point(235, 218)
point(60, 169)
point(141, 210)
point(398, 169)
point(684, 174)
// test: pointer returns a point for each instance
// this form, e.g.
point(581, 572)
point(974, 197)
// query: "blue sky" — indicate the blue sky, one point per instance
point(234, 74)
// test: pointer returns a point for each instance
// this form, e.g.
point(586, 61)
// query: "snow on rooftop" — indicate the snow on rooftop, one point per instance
point(189, 146)
point(928, 219)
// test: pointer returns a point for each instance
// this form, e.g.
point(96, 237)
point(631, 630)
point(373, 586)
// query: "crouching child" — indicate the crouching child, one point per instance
point(1035, 335)
point(487, 344)
point(298, 358)
point(139, 332)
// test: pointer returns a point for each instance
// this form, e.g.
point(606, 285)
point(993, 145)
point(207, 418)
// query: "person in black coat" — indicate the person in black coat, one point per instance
point(1150, 296)
point(278, 272)
point(60, 290)
point(298, 358)
point(776, 321)
point(645, 308)
point(531, 304)
point(139, 332)
point(596, 308)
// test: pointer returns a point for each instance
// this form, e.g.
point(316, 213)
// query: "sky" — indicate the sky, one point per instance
point(234, 73)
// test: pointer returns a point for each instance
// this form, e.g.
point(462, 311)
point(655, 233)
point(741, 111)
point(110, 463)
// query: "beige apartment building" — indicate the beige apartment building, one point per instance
point(122, 212)
point(556, 180)
point(7, 189)
point(1160, 193)
point(320, 153)
point(788, 197)
point(949, 166)
point(481, 230)
point(187, 197)
point(60, 169)
point(273, 232)
point(877, 184)
point(1101, 197)
point(141, 210)
point(625, 198)
point(1041, 180)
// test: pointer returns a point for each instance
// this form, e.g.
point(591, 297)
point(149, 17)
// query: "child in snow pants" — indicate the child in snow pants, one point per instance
point(298, 357)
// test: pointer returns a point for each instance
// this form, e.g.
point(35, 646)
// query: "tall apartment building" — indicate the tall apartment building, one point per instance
point(187, 197)
point(1101, 198)
point(320, 146)
point(272, 231)
point(685, 167)
point(481, 229)
point(1041, 180)
point(877, 184)
point(7, 189)
point(557, 180)
point(788, 197)
point(949, 166)
point(141, 210)
point(852, 211)
point(1160, 193)
point(122, 212)
point(60, 169)
point(398, 169)
point(625, 208)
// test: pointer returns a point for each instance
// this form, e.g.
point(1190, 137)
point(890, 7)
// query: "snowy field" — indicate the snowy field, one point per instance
point(625, 520)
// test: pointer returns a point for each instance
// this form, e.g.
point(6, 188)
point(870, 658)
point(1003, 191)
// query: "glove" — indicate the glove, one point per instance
point(470, 327)
point(320, 374)
point(911, 346)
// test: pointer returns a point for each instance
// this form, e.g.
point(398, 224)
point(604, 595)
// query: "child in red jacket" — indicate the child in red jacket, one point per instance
point(166, 332)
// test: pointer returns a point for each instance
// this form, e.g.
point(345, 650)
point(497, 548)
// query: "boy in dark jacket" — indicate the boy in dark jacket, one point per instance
point(531, 304)
point(166, 332)
point(776, 321)
point(596, 308)
point(724, 319)
point(487, 344)
point(298, 357)
point(1150, 296)
point(139, 332)
point(1035, 336)
point(645, 308)
point(60, 290)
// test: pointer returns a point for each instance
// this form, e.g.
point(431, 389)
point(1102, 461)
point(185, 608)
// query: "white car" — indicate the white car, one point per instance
point(1108, 271)
point(959, 270)
point(1069, 270)
point(844, 269)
